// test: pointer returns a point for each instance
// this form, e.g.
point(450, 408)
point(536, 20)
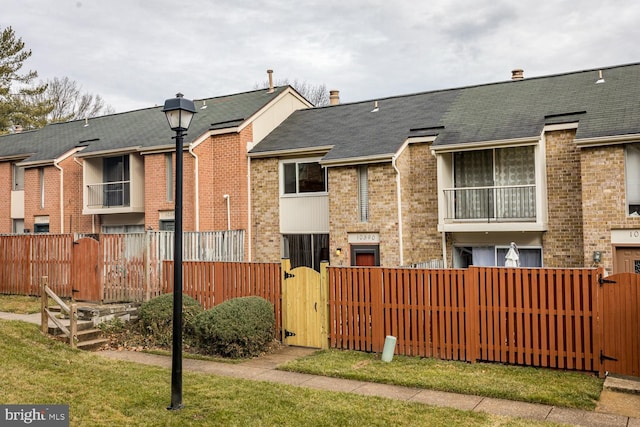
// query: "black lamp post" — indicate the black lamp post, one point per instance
point(179, 113)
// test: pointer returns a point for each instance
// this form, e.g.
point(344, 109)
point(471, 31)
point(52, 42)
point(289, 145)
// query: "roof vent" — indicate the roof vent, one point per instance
point(517, 74)
point(375, 107)
point(86, 122)
point(334, 97)
point(600, 78)
point(204, 104)
point(270, 73)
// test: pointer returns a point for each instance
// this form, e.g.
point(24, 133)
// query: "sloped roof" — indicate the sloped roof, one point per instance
point(475, 114)
point(139, 129)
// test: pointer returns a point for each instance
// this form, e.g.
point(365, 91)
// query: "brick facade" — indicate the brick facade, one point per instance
point(603, 200)
point(422, 241)
point(265, 195)
point(6, 185)
point(33, 199)
point(383, 211)
point(562, 242)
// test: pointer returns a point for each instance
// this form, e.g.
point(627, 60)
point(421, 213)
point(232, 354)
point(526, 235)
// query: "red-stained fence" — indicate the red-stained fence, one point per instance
point(525, 316)
point(212, 283)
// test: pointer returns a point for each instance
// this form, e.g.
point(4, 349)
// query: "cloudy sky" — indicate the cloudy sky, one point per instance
point(137, 53)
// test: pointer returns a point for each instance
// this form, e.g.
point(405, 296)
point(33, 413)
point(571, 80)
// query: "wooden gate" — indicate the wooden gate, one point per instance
point(85, 277)
point(304, 306)
point(620, 302)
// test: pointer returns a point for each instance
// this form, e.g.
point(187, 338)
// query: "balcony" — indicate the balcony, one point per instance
point(509, 203)
point(109, 195)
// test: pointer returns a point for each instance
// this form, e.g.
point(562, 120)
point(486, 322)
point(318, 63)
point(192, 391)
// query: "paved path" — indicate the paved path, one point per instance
point(264, 369)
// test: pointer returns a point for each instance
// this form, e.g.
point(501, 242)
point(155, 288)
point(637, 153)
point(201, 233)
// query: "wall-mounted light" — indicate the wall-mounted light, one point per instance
point(338, 251)
point(597, 257)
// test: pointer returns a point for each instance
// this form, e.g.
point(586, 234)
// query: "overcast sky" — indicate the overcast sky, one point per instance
point(137, 53)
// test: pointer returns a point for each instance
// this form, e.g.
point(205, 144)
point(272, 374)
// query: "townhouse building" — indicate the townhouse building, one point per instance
point(453, 177)
point(116, 173)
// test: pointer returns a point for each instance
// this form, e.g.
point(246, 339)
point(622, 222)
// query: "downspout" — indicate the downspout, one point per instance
point(249, 215)
point(444, 233)
point(226, 197)
point(398, 188)
point(197, 188)
point(57, 166)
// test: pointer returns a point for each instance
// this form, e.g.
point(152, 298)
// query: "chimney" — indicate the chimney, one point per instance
point(334, 97)
point(270, 73)
point(517, 74)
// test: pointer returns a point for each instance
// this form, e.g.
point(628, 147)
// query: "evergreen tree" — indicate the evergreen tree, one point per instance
point(18, 107)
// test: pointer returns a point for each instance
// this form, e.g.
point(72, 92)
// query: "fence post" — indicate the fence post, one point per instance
point(73, 325)
point(377, 310)
point(598, 338)
point(44, 305)
point(471, 283)
point(324, 305)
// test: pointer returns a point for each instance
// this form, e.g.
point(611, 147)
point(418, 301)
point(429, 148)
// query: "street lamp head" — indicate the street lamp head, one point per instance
point(179, 112)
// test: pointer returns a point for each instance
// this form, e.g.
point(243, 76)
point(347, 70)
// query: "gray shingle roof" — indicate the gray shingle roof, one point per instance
point(144, 128)
point(491, 112)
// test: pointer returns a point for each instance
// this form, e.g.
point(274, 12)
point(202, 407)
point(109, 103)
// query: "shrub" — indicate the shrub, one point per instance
point(240, 327)
point(156, 318)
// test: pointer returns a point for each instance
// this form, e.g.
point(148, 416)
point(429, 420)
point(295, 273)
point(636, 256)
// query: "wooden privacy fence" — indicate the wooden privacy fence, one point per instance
point(212, 283)
point(535, 317)
point(128, 267)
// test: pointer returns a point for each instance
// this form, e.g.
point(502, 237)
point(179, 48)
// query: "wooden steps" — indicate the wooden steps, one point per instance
point(89, 337)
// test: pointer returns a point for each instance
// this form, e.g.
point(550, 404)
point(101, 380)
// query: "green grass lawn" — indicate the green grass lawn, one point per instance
point(21, 304)
point(547, 386)
point(101, 392)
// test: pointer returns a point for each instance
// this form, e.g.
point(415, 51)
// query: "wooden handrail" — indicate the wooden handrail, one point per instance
point(46, 315)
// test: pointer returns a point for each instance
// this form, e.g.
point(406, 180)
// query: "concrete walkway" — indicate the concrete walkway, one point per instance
point(264, 369)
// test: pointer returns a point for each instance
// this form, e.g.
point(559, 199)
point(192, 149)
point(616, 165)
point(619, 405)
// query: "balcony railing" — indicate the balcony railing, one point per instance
point(501, 203)
point(109, 194)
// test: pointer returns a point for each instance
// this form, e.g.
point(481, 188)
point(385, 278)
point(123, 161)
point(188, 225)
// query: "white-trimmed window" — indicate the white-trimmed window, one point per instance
point(41, 179)
point(18, 177)
point(632, 177)
point(492, 256)
point(303, 176)
point(363, 193)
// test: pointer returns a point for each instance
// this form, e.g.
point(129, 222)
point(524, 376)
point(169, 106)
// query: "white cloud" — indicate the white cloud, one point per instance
point(137, 53)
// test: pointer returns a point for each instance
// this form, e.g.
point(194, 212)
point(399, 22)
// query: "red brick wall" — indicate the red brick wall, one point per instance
point(74, 220)
point(221, 169)
point(32, 207)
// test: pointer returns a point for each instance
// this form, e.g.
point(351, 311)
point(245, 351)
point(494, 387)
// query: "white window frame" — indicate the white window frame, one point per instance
point(363, 193)
point(17, 174)
point(298, 162)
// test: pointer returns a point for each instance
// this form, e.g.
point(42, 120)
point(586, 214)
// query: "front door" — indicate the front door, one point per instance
point(304, 307)
point(627, 260)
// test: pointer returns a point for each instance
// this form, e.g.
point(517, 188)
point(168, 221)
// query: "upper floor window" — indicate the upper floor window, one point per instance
point(494, 184)
point(363, 193)
point(18, 177)
point(632, 175)
point(303, 177)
